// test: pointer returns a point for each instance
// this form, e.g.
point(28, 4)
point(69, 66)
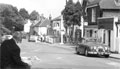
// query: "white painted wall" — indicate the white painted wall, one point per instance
point(27, 26)
point(42, 31)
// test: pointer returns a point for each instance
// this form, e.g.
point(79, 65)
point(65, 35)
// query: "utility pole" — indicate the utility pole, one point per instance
point(62, 29)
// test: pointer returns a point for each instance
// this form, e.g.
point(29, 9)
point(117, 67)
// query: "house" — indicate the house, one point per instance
point(41, 28)
point(58, 28)
point(27, 26)
point(104, 22)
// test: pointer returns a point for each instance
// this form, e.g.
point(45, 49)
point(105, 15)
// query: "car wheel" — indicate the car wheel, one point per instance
point(86, 52)
point(106, 56)
point(77, 52)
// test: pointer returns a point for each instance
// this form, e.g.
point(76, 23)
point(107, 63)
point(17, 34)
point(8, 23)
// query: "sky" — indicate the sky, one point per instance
point(45, 7)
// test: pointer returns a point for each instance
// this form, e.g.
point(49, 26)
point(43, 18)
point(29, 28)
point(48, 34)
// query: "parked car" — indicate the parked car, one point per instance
point(92, 47)
point(33, 38)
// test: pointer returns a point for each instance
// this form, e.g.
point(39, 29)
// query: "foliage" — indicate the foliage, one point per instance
point(78, 13)
point(11, 18)
point(72, 13)
point(24, 13)
point(34, 15)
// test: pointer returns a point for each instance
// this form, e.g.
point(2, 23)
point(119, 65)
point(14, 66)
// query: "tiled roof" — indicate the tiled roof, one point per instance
point(43, 23)
point(39, 23)
point(93, 2)
point(57, 18)
point(105, 4)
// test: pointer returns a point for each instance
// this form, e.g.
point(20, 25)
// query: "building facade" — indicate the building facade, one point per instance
point(103, 22)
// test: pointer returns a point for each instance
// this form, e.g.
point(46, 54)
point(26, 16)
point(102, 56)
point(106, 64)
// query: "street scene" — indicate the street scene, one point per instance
point(60, 34)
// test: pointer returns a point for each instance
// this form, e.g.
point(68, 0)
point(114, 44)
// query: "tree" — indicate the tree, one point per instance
point(72, 15)
point(12, 18)
point(78, 13)
point(24, 13)
point(34, 15)
point(68, 13)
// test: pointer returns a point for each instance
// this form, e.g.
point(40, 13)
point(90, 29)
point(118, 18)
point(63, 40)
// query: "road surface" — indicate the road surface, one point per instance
point(48, 56)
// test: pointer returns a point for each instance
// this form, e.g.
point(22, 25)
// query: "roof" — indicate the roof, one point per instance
point(109, 4)
point(93, 2)
point(105, 4)
point(43, 23)
point(57, 18)
point(38, 24)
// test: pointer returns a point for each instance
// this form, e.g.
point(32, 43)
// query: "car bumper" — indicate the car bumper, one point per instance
point(98, 53)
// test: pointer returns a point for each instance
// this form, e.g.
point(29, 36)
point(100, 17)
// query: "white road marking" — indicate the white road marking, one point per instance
point(35, 58)
point(59, 58)
point(27, 60)
point(114, 63)
point(31, 60)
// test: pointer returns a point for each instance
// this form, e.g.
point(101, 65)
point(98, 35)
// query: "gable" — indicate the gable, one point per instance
point(105, 4)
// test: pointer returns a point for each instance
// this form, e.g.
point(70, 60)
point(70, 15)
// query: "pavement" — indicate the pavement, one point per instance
point(71, 46)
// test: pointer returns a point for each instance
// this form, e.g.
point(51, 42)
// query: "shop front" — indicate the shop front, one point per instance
point(109, 32)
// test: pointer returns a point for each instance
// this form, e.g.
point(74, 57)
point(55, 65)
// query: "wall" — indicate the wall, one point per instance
point(118, 39)
point(27, 26)
point(111, 13)
point(42, 31)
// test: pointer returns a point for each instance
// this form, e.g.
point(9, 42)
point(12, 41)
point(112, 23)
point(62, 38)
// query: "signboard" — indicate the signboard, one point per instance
point(105, 23)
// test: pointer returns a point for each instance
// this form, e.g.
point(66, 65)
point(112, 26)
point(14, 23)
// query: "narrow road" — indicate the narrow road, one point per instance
point(53, 57)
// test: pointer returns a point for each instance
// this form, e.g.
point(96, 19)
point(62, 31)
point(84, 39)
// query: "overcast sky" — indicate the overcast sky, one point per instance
point(46, 7)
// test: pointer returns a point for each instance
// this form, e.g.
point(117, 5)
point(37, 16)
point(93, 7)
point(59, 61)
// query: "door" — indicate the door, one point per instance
point(109, 38)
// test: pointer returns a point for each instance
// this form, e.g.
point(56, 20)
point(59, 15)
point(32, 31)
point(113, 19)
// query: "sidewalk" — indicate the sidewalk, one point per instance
point(116, 56)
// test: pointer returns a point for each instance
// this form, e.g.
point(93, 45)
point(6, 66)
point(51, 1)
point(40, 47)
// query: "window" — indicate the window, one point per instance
point(93, 14)
point(91, 32)
point(57, 24)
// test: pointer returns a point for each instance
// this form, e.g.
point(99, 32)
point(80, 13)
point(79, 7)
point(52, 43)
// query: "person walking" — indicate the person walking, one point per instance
point(10, 54)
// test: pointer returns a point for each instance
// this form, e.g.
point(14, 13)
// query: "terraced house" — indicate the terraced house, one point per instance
point(104, 22)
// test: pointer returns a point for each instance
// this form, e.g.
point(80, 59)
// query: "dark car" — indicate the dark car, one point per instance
point(92, 47)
